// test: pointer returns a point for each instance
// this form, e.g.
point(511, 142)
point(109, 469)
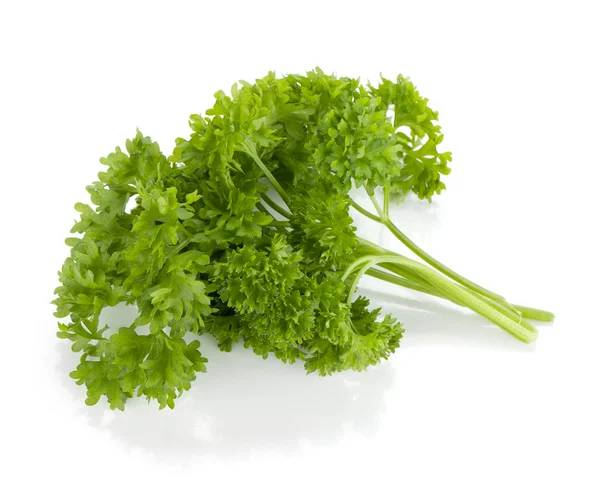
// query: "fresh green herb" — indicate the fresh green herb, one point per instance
point(245, 233)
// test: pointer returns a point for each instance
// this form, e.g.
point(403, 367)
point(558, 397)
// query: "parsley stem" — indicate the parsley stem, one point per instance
point(516, 312)
point(441, 283)
point(401, 281)
point(384, 219)
point(179, 247)
point(405, 273)
point(364, 212)
point(273, 204)
point(263, 208)
point(505, 308)
point(250, 149)
point(535, 314)
point(378, 249)
point(411, 245)
point(409, 284)
point(415, 277)
point(382, 215)
point(279, 223)
point(386, 202)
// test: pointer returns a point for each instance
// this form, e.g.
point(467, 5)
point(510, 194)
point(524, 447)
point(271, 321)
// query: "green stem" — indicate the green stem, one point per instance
point(382, 216)
point(409, 284)
point(509, 312)
point(423, 286)
point(374, 249)
point(401, 281)
point(525, 312)
point(407, 277)
point(179, 247)
point(280, 223)
point(378, 249)
point(364, 212)
point(507, 309)
point(406, 273)
point(369, 248)
point(250, 149)
point(535, 314)
point(277, 224)
point(386, 202)
point(426, 257)
point(466, 297)
point(273, 204)
point(263, 208)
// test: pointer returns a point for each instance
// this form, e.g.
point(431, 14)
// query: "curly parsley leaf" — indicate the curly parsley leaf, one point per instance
point(196, 242)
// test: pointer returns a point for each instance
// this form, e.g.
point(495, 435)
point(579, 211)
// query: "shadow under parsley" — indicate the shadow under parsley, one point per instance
point(245, 404)
point(241, 405)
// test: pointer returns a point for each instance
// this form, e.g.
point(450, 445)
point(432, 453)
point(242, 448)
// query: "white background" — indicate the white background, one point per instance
point(462, 409)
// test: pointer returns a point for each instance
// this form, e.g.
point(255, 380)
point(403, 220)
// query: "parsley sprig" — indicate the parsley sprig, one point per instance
point(245, 232)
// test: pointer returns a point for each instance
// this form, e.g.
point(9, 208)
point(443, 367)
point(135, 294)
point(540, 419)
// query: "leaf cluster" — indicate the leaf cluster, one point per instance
point(206, 250)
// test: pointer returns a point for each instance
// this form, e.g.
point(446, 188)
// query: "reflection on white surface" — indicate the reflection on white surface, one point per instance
point(245, 404)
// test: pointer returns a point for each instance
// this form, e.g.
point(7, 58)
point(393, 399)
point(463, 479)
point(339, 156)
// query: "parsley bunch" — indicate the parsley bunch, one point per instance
point(245, 233)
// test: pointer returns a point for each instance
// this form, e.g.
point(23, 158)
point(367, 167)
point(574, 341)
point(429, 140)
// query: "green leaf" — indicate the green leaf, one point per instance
point(199, 252)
